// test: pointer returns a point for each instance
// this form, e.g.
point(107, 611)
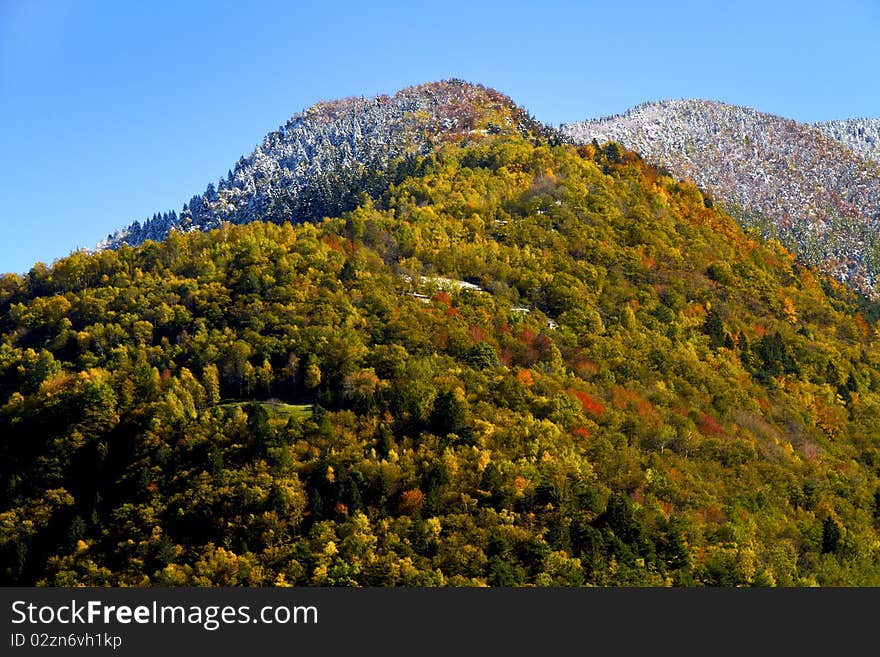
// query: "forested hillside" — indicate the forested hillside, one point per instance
point(323, 159)
point(860, 135)
point(637, 393)
point(814, 188)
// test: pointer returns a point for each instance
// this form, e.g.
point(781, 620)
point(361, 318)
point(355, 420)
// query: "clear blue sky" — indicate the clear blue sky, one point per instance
point(111, 112)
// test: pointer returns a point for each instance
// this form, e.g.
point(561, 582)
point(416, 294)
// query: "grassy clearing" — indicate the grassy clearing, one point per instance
point(279, 412)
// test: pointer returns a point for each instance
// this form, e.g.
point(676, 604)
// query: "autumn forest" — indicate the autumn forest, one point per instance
point(520, 363)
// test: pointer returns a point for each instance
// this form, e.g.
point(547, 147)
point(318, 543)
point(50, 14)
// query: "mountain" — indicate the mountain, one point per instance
point(812, 187)
point(321, 161)
point(862, 136)
point(789, 180)
point(523, 364)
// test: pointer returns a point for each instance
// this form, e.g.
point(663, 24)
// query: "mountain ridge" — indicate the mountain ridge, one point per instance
point(790, 180)
point(813, 186)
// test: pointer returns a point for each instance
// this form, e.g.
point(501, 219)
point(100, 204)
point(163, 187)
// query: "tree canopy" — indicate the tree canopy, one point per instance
point(522, 364)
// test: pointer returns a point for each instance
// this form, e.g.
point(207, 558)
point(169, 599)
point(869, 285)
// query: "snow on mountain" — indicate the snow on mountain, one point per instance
point(861, 135)
point(819, 197)
point(323, 159)
point(814, 187)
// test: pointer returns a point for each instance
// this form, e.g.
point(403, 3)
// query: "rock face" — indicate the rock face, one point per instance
point(861, 135)
point(810, 186)
point(321, 160)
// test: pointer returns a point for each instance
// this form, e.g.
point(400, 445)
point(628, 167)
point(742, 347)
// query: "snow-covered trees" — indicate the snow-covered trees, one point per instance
point(320, 161)
point(861, 135)
point(817, 195)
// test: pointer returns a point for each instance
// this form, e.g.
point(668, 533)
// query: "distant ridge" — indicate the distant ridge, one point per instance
point(812, 187)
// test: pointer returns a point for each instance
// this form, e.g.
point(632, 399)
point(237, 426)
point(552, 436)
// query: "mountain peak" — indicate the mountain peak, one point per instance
point(321, 160)
point(816, 188)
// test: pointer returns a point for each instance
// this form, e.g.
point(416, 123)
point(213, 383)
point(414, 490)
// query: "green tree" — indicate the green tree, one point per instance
point(211, 382)
point(313, 375)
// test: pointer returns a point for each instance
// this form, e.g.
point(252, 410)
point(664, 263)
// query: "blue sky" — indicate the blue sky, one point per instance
point(110, 112)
